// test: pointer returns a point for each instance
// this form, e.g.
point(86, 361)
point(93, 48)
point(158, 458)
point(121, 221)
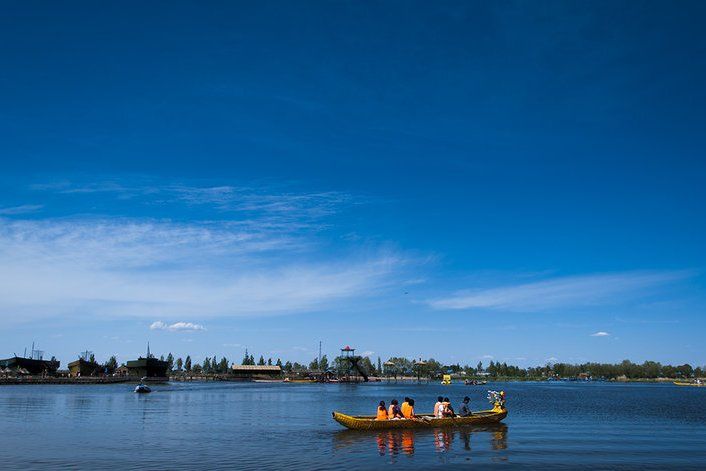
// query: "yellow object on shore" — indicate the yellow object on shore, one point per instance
point(422, 421)
point(446, 379)
point(697, 385)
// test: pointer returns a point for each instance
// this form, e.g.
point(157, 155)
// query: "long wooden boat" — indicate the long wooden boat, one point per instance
point(368, 422)
point(698, 385)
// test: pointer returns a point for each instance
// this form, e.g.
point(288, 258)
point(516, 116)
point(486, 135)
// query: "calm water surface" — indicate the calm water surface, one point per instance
point(286, 426)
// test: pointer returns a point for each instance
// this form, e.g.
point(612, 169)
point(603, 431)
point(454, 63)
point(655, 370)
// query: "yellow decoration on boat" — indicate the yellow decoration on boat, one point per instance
point(446, 379)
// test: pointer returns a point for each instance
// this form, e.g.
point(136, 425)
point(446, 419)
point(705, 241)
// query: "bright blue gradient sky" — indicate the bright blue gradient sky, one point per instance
point(521, 181)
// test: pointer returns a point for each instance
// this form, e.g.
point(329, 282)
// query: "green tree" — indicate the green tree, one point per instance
point(111, 365)
point(433, 369)
point(223, 365)
point(187, 363)
point(179, 364)
point(269, 362)
point(379, 369)
point(314, 365)
point(170, 361)
point(261, 361)
point(207, 365)
point(403, 366)
point(685, 371)
point(479, 368)
point(279, 363)
point(367, 365)
point(491, 368)
point(323, 366)
point(288, 366)
point(92, 358)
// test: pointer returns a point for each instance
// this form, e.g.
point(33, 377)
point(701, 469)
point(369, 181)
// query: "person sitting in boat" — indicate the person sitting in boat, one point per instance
point(465, 410)
point(439, 410)
point(439, 400)
point(404, 406)
point(447, 410)
point(382, 411)
point(394, 412)
point(408, 411)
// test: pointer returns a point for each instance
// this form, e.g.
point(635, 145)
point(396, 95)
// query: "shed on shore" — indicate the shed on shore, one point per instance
point(255, 371)
point(83, 367)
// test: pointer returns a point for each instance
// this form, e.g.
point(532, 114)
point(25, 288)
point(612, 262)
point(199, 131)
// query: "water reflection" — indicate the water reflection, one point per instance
point(394, 443)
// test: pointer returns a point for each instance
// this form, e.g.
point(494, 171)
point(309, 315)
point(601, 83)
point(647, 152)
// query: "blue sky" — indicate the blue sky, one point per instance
point(516, 181)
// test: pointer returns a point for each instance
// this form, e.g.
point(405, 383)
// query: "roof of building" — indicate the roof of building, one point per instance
point(85, 362)
point(256, 368)
point(142, 362)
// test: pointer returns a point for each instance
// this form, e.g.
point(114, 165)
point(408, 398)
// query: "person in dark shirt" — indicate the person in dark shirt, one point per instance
point(464, 410)
point(448, 411)
point(395, 412)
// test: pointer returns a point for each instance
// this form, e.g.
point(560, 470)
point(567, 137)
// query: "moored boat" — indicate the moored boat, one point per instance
point(142, 388)
point(696, 384)
point(299, 381)
point(368, 422)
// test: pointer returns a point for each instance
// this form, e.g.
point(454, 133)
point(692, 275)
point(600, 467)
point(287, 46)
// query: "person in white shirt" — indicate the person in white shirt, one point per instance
point(437, 406)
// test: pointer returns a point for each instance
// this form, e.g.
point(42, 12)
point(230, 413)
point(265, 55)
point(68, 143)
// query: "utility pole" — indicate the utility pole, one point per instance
point(319, 354)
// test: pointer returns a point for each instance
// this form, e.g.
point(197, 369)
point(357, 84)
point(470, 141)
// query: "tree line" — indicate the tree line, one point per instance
point(431, 368)
point(627, 369)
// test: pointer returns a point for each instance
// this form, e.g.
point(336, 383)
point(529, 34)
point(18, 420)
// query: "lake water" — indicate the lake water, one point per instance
point(286, 426)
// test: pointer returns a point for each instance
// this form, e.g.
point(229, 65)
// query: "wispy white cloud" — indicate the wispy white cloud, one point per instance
point(268, 204)
point(177, 326)
point(117, 268)
point(566, 292)
point(22, 209)
point(600, 334)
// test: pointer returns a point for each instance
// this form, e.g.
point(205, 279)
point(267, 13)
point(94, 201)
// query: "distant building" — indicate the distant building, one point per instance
point(121, 371)
point(147, 367)
point(256, 371)
point(30, 365)
point(83, 367)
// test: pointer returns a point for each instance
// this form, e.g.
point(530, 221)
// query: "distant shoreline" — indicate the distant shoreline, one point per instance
point(222, 378)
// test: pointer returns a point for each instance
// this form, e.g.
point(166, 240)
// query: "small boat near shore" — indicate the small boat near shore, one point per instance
point(697, 384)
point(368, 422)
point(142, 388)
point(475, 382)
